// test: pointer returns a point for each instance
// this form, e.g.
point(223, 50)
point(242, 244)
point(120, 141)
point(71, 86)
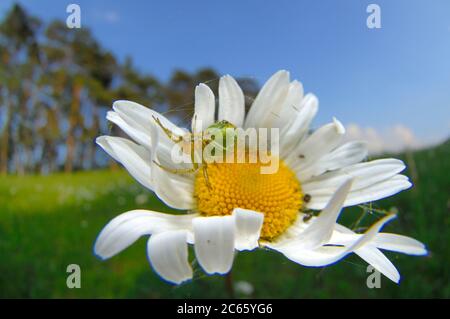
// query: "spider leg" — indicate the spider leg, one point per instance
point(177, 170)
point(174, 137)
point(206, 177)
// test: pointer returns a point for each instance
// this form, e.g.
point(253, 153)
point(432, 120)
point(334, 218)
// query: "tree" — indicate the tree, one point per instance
point(54, 84)
point(20, 56)
point(86, 73)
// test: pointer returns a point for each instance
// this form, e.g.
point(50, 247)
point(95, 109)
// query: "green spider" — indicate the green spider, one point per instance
point(204, 139)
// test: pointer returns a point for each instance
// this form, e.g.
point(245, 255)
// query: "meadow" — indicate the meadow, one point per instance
point(49, 222)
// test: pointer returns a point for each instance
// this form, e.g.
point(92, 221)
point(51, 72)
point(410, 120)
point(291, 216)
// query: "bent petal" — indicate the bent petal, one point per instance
point(326, 255)
point(400, 244)
point(133, 157)
point(173, 189)
point(379, 261)
point(371, 254)
point(248, 228)
point(141, 137)
point(321, 228)
point(168, 254)
point(386, 241)
point(142, 130)
point(125, 229)
point(320, 257)
point(214, 243)
point(142, 117)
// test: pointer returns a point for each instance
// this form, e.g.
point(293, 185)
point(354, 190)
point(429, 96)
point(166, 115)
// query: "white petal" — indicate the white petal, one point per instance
point(125, 229)
point(378, 191)
point(321, 142)
point(268, 101)
point(367, 179)
point(346, 238)
point(292, 232)
point(248, 228)
point(174, 189)
point(399, 243)
point(204, 105)
point(231, 101)
point(142, 119)
point(326, 255)
point(387, 241)
point(379, 261)
point(290, 106)
point(370, 252)
point(291, 135)
point(142, 116)
point(320, 257)
point(141, 127)
point(168, 254)
point(173, 192)
point(365, 174)
point(321, 229)
point(343, 156)
point(374, 192)
point(135, 158)
point(214, 243)
point(347, 154)
point(372, 232)
point(163, 147)
point(141, 137)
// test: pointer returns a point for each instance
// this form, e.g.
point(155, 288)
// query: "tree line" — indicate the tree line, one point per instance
point(56, 84)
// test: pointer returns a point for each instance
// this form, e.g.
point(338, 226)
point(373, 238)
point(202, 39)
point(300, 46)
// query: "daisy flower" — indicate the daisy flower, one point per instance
point(236, 207)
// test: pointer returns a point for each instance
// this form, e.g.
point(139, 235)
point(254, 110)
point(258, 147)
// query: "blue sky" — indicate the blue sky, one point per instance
point(396, 75)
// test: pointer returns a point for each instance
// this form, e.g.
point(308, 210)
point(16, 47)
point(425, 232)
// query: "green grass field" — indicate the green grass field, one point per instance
point(47, 223)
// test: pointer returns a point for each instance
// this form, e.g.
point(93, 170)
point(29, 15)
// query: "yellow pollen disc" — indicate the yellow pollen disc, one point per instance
point(278, 196)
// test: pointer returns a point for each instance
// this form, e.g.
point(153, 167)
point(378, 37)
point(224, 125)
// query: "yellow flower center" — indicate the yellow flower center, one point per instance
point(231, 185)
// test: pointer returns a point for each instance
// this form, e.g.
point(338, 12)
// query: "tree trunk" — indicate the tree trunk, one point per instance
point(73, 119)
point(4, 150)
point(94, 132)
point(4, 145)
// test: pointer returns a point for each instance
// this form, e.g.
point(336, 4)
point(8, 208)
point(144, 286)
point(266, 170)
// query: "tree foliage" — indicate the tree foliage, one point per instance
point(56, 85)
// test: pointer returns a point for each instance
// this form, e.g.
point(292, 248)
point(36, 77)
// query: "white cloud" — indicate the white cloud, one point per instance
point(392, 139)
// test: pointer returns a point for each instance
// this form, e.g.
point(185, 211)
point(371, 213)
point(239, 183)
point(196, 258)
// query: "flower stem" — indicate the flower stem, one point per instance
point(229, 286)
